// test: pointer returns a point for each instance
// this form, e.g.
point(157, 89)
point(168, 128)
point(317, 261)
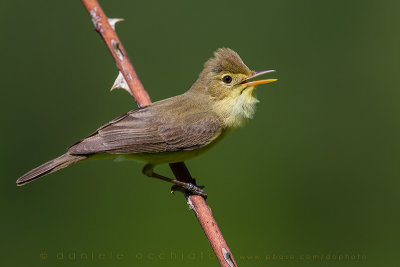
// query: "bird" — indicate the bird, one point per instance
point(175, 129)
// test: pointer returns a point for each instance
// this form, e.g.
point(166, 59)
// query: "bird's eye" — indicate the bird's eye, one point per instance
point(227, 79)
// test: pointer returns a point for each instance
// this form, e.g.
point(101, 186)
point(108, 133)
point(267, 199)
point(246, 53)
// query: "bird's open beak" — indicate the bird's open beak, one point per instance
point(258, 73)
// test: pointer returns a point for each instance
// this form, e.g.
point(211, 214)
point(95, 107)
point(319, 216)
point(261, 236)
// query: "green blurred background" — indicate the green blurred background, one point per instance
point(313, 180)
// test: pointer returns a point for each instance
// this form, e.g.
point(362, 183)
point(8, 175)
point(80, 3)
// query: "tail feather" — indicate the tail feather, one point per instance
point(49, 167)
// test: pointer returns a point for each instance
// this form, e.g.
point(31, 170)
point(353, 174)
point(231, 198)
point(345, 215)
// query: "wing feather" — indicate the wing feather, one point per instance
point(145, 131)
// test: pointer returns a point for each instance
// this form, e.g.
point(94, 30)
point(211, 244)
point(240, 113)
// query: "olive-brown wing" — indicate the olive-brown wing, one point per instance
point(146, 131)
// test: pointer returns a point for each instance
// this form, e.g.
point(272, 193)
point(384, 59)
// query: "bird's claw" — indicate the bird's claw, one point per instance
point(189, 188)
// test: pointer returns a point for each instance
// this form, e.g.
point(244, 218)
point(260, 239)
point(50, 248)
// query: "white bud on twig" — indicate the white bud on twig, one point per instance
point(120, 83)
point(113, 21)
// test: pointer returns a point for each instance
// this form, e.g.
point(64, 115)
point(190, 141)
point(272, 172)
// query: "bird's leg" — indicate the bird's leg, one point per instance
point(178, 185)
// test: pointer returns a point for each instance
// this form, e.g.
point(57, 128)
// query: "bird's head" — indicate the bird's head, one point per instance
point(226, 80)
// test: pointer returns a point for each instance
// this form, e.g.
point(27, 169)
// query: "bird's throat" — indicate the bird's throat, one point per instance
point(236, 109)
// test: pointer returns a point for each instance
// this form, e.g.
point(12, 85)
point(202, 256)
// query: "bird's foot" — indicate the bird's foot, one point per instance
point(185, 188)
point(188, 188)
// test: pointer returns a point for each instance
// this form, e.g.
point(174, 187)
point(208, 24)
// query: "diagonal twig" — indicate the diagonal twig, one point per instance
point(105, 27)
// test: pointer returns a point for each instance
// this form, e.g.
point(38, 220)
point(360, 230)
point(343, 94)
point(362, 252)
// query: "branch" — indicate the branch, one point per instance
point(105, 27)
point(106, 30)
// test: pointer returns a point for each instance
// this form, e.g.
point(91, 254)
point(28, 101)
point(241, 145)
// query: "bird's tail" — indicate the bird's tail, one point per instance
point(49, 167)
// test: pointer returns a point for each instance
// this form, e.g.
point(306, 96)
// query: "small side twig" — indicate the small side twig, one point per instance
point(105, 27)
